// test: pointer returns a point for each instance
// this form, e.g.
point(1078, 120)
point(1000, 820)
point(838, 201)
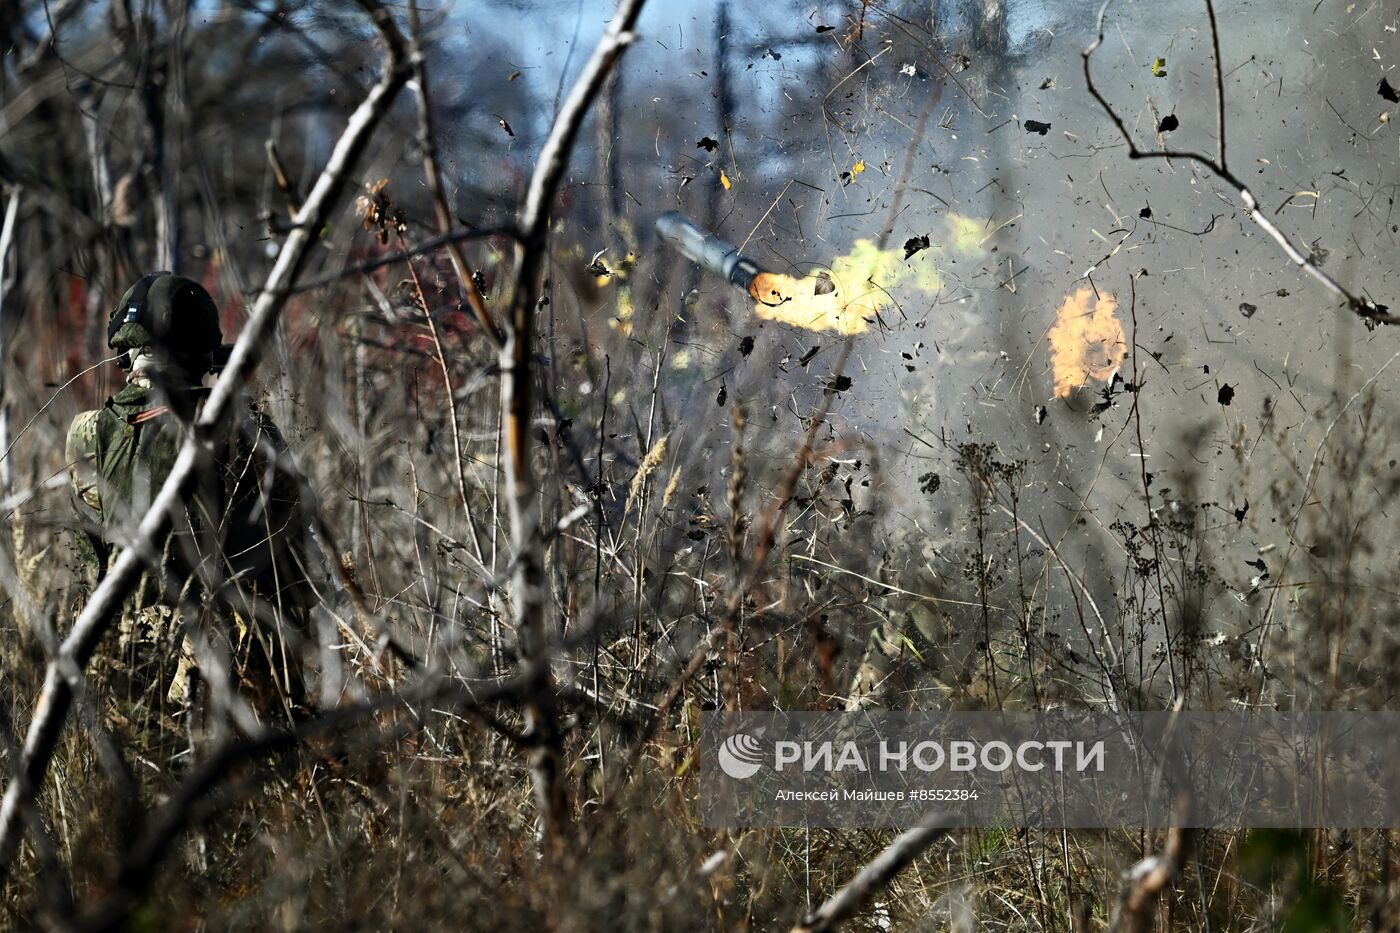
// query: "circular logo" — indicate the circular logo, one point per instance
point(740, 756)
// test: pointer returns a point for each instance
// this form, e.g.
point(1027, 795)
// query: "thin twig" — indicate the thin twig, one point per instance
point(427, 142)
point(454, 417)
point(389, 259)
point(1363, 307)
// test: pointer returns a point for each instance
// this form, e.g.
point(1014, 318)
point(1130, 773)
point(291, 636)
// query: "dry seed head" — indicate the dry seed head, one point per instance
point(671, 487)
point(650, 463)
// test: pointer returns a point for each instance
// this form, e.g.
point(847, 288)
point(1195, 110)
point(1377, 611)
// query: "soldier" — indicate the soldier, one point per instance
point(233, 555)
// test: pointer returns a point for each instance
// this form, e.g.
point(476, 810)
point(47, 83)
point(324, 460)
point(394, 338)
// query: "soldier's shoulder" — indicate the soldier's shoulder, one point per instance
point(82, 432)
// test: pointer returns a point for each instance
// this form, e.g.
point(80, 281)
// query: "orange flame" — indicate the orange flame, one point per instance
point(1086, 342)
point(813, 302)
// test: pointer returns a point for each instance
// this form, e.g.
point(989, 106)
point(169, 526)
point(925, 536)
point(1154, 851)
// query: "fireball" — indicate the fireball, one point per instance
point(1086, 342)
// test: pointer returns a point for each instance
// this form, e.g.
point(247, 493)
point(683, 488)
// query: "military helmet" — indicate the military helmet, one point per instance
point(167, 311)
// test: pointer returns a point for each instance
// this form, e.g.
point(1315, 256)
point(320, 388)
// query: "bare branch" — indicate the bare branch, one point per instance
point(459, 263)
point(389, 259)
point(7, 233)
point(1146, 880)
point(1363, 307)
point(427, 141)
point(517, 386)
point(847, 902)
point(55, 16)
point(64, 672)
point(279, 178)
point(1219, 86)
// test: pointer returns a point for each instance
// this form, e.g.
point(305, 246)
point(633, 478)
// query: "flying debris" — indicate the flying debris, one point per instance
point(597, 267)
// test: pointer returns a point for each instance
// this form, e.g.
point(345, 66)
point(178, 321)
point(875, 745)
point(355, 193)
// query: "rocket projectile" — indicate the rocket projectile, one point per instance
point(707, 250)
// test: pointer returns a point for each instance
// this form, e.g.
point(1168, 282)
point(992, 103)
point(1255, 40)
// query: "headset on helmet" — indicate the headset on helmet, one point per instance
point(167, 311)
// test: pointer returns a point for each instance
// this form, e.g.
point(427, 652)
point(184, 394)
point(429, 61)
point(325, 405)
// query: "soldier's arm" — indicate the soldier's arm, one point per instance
point(80, 451)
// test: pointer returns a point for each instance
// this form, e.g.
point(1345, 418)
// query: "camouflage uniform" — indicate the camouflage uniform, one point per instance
point(240, 524)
